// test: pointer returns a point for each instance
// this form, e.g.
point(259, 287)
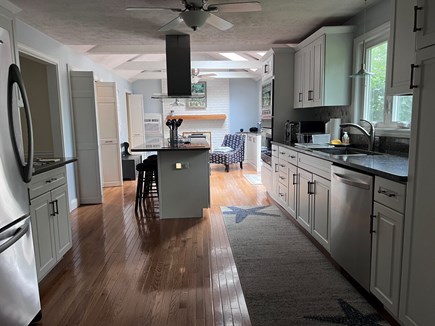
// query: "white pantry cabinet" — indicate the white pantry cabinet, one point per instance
point(108, 134)
point(136, 125)
point(401, 52)
point(49, 212)
point(425, 23)
point(387, 240)
point(322, 68)
point(417, 293)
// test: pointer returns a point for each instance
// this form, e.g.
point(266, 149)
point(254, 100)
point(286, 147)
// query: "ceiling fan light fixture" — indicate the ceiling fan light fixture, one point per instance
point(194, 18)
point(361, 73)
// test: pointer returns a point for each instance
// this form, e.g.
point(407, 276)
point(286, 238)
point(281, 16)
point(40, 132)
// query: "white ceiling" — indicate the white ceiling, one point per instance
point(129, 43)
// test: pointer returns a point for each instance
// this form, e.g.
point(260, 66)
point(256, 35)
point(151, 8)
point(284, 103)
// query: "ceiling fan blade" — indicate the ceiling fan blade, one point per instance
point(171, 25)
point(235, 7)
point(133, 8)
point(219, 23)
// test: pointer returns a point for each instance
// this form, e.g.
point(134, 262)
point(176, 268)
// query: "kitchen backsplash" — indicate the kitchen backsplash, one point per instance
point(390, 145)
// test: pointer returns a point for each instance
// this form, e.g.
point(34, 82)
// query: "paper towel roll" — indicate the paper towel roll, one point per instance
point(332, 127)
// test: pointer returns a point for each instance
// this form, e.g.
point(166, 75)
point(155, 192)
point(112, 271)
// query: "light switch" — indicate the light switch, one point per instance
point(178, 166)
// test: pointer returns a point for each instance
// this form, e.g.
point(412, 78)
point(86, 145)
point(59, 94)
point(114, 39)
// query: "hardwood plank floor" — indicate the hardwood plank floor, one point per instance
point(128, 269)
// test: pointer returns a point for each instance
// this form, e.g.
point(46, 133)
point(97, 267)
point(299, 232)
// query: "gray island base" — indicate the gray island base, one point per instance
point(183, 177)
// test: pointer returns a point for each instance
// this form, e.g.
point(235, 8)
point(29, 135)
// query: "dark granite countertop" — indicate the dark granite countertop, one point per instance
point(384, 165)
point(44, 165)
point(162, 144)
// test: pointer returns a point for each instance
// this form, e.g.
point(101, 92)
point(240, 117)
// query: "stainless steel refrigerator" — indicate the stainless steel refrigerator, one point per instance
point(19, 294)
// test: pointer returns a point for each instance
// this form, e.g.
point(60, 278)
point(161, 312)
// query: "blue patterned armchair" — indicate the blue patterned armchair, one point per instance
point(234, 154)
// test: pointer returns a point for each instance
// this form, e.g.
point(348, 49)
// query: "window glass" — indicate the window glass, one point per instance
point(376, 63)
point(402, 109)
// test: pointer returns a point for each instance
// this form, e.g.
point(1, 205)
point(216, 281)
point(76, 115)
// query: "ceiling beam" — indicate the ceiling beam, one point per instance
point(161, 65)
point(162, 75)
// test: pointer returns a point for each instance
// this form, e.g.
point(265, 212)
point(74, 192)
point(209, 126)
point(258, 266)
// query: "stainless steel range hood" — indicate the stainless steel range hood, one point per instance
point(178, 69)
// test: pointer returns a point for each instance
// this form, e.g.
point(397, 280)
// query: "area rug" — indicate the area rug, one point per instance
point(254, 179)
point(286, 280)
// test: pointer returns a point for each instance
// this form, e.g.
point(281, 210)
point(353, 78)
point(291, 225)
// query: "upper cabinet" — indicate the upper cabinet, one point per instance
point(268, 66)
point(424, 26)
point(323, 65)
point(401, 52)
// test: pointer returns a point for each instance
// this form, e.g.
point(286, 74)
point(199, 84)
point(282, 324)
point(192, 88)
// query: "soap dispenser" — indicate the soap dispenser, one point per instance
point(345, 138)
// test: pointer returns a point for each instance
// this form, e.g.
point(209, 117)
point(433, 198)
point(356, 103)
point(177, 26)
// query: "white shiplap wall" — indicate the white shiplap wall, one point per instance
point(218, 94)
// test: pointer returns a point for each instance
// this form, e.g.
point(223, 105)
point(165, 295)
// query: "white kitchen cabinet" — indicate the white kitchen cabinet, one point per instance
point(253, 150)
point(108, 134)
point(401, 52)
point(51, 226)
point(268, 66)
point(275, 175)
point(386, 258)
point(304, 203)
point(387, 240)
point(299, 79)
point(136, 126)
point(417, 291)
point(266, 177)
point(321, 211)
point(283, 182)
point(322, 68)
point(425, 23)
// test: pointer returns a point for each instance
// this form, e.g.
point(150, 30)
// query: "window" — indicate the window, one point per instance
point(384, 111)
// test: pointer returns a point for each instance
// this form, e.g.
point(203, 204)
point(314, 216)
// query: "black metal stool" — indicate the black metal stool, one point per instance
point(147, 181)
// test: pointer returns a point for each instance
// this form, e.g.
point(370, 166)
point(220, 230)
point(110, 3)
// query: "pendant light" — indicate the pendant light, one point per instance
point(362, 72)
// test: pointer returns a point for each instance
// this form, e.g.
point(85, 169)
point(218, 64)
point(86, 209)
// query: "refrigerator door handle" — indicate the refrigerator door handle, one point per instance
point(15, 77)
point(14, 236)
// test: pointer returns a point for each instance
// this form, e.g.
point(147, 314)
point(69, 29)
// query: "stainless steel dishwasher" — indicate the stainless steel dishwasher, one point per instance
point(351, 210)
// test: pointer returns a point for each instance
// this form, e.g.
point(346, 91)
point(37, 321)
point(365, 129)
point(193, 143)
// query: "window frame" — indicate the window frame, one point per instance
point(387, 127)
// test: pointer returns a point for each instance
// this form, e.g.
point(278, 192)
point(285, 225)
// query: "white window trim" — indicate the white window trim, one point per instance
point(379, 33)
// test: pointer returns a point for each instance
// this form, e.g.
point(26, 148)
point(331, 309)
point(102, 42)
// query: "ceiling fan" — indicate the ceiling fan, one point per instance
point(198, 12)
point(196, 76)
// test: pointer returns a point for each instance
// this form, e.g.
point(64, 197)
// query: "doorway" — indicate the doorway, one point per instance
point(40, 78)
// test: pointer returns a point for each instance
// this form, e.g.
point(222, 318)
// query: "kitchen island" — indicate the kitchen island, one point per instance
point(183, 176)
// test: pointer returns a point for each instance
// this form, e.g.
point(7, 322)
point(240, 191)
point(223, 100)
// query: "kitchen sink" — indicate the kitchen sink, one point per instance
point(345, 151)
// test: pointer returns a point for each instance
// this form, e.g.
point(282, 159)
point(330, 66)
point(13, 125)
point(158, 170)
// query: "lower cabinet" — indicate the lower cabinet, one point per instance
point(314, 206)
point(387, 239)
point(266, 177)
point(253, 150)
point(50, 220)
point(321, 211)
point(386, 256)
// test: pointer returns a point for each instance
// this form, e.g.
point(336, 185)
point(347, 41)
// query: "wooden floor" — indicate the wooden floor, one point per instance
point(126, 269)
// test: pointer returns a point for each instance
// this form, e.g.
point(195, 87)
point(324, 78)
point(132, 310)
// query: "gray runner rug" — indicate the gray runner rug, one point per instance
point(286, 280)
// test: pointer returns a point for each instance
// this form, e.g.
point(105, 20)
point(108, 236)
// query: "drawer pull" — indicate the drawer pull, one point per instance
point(282, 165)
point(292, 156)
point(51, 180)
point(282, 153)
point(387, 192)
point(282, 178)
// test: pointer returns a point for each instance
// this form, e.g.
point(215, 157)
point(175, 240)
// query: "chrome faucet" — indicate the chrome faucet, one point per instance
point(370, 135)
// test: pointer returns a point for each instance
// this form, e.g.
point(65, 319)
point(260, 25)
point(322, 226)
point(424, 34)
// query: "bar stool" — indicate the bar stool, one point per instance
point(147, 181)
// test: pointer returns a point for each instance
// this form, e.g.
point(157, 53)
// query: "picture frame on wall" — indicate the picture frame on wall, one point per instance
point(200, 88)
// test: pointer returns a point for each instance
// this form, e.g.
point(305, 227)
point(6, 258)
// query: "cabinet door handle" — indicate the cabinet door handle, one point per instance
point(310, 95)
point(52, 209)
point(57, 207)
point(266, 69)
point(300, 97)
point(295, 180)
point(276, 168)
point(416, 9)
point(372, 217)
point(387, 192)
point(411, 82)
point(310, 188)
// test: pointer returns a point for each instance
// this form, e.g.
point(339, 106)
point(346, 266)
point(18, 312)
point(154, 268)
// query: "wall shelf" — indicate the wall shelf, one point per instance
point(198, 117)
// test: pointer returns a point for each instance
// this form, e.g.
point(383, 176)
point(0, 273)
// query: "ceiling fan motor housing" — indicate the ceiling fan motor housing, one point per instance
point(194, 18)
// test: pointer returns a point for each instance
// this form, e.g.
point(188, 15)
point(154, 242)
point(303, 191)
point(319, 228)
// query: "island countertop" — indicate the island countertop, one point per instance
point(163, 144)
